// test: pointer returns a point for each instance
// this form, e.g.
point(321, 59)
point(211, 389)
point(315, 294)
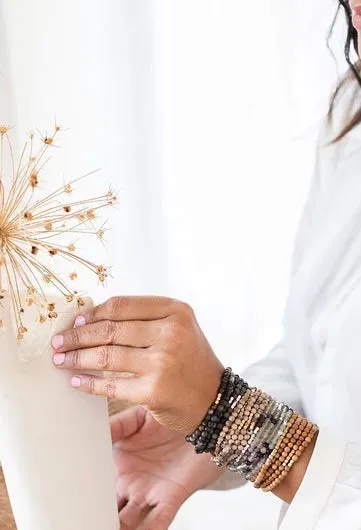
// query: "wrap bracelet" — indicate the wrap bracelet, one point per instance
point(250, 433)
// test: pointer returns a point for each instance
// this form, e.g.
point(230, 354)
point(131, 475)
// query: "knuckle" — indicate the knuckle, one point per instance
point(75, 337)
point(185, 310)
point(114, 303)
point(91, 385)
point(108, 330)
point(173, 331)
point(110, 388)
point(75, 360)
point(163, 362)
point(103, 358)
point(168, 329)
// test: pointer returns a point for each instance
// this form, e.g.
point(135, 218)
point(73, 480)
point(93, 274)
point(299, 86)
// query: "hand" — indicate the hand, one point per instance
point(157, 470)
point(175, 372)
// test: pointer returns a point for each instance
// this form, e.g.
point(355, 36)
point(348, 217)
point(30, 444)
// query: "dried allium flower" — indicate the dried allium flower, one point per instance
point(30, 226)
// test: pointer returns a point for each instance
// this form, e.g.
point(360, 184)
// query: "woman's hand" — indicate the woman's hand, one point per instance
point(157, 470)
point(176, 373)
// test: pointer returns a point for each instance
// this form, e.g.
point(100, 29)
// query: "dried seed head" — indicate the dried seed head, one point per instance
point(80, 302)
point(101, 273)
point(28, 216)
point(33, 180)
point(31, 227)
point(41, 319)
point(112, 198)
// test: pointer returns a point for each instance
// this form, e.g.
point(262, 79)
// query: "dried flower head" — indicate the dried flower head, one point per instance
point(30, 226)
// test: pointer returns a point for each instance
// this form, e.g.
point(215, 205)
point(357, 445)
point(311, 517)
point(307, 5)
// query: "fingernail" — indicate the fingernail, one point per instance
point(59, 358)
point(57, 341)
point(75, 382)
point(80, 320)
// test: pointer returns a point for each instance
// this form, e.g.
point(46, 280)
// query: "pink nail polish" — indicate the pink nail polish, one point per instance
point(57, 342)
point(75, 382)
point(59, 358)
point(80, 321)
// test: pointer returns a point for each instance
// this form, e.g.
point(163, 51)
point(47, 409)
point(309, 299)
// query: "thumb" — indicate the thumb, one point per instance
point(127, 423)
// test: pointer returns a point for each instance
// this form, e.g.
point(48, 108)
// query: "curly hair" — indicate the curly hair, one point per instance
point(353, 74)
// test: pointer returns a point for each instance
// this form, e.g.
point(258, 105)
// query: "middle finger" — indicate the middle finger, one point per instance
point(136, 334)
point(105, 359)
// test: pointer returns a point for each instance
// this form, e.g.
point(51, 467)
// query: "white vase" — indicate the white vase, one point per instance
point(55, 445)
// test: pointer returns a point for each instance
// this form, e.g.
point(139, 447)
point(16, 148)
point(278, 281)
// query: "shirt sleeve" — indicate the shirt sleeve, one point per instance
point(329, 496)
point(273, 374)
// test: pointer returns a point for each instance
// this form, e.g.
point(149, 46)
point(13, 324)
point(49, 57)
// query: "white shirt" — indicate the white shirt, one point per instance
point(316, 367)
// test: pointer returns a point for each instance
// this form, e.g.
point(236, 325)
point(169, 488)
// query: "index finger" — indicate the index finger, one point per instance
point(128, 308)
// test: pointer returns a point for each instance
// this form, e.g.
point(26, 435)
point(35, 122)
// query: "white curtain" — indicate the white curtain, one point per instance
point(203, 114)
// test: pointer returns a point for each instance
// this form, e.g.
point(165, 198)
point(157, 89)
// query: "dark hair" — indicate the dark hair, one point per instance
point(353, 74)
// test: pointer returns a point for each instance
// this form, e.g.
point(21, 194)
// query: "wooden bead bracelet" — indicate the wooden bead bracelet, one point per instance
point(247, 431)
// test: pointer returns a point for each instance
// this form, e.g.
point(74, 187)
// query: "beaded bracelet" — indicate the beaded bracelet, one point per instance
point(250, 433)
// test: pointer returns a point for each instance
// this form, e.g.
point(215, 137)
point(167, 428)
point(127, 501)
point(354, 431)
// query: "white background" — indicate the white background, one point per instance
point(203, 114)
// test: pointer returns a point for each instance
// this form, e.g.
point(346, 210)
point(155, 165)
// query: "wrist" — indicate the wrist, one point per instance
point(199, 471)
point(248, 432)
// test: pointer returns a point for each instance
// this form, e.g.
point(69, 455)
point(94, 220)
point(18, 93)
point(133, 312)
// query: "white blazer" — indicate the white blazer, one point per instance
point(316, 367)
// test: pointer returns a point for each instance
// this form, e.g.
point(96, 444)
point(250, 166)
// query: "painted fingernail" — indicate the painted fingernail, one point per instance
point(80, 320)
point(75, 382)
point(59, 358)
point(57, 342)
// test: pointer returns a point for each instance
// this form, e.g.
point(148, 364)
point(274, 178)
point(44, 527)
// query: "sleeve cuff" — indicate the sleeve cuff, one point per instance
point(316, 487)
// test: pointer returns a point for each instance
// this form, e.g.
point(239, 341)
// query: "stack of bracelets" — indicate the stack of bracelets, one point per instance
point(250, 433)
